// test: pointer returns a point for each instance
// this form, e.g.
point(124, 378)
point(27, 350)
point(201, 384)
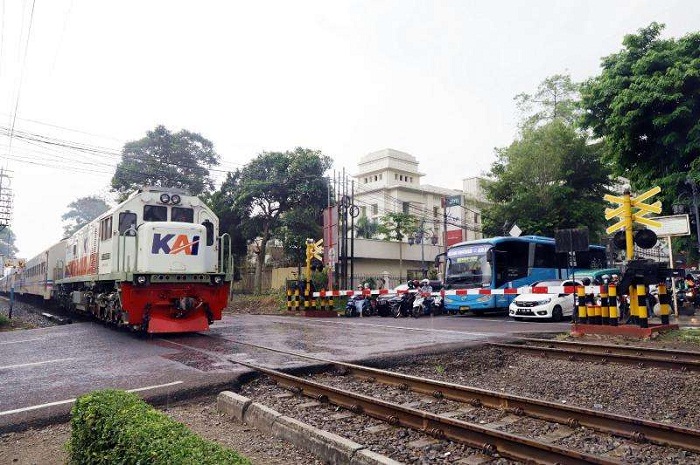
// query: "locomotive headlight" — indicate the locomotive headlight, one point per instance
point(218, 279)
point(141, 279)
point(164, 198)
point(175, 199)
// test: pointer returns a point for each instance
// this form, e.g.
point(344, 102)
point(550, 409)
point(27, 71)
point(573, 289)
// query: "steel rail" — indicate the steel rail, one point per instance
point(488, 440)
point(603, 356)
point(637, 429)
point(669, 354)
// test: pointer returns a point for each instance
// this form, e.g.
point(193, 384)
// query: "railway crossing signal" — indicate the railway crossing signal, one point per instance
point(628, 216)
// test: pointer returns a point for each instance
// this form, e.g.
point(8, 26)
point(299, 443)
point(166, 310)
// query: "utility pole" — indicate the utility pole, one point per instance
point(694, 188)
point(5, 198)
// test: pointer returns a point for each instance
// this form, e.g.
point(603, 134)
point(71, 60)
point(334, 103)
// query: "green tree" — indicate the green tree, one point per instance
point(166, 159)
point(645, 105)
point(7, 243)
point(556, 98)
point(548, 179)
point(81, 211)
point(366, 228)
point(271, 190)
point(395, 226)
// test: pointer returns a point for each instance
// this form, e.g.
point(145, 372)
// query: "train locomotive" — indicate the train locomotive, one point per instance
point(154, 263)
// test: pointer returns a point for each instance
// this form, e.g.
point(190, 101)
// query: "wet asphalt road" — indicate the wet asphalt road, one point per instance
point(43, 370)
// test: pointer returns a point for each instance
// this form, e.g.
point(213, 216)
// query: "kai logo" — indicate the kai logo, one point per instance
point(180, 243)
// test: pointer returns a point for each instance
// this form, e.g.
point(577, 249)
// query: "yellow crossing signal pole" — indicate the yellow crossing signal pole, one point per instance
point(633, 210)
point(313, 250)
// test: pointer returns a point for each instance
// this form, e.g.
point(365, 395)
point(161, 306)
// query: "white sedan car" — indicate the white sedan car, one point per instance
point(549, 306)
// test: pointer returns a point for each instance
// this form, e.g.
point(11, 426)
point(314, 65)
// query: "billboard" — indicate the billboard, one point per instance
point(454, 236)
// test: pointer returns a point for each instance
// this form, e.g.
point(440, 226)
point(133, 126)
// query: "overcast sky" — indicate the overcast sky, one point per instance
point(435, 79)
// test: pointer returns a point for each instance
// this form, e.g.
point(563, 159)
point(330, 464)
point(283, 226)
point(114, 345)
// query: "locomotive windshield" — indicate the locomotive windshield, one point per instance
point(184, 215)
point(155, 213)
point(467, 267)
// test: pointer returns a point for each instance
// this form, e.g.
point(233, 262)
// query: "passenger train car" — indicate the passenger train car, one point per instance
point(154, 263)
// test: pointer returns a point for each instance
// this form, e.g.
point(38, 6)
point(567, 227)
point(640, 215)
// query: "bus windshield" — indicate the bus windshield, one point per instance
point(467, 266)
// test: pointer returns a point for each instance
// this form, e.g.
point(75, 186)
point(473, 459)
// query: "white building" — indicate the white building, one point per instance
point(390, 181)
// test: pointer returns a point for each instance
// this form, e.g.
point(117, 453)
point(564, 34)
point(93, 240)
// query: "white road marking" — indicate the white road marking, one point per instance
point(35, 363)
point(22, 340)
point(69, 401)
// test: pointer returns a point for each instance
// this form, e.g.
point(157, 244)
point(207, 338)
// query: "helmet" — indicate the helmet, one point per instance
point(366, 285)
point(416, 283)
point(605, 277)
point(424, 282)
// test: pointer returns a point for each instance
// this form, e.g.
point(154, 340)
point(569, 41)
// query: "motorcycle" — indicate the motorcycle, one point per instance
point(423, 304)
point(358, 305)
point(401, 304)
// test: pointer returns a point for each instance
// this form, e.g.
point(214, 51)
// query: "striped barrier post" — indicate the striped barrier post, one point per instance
point(634, 305)
point(604, 306)
point(297, 300)
point(642, 303)
point(664, 304)
point(289, 298)
point(612, 303)
point(582, 315)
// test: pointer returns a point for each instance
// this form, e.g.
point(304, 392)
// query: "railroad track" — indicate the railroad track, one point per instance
point(637, 429)
point(605, 353)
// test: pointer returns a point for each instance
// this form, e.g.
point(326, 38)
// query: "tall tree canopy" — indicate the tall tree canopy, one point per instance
point(166, 159)
point(395, 226)
point(548, 179)
point(81, 211)
point(646, 106)
point(275, 193)
point(556, 98)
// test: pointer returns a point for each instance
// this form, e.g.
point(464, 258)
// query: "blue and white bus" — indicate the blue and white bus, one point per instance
point(506, 263)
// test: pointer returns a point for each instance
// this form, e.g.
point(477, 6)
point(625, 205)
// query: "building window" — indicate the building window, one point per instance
point(396, 176)
point(365, 180)
point(375, 177)
point(380, 177)
point(401, 178)
point(375, 209)
point(435, 212)
point(411, 181)
point(476, 217)
point(364, 211)
point(406, 207)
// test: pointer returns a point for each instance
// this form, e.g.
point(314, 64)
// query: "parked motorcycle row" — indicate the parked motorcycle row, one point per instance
point(410, 301)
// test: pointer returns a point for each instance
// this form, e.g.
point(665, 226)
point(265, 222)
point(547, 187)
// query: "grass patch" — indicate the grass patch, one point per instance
point(4, 321)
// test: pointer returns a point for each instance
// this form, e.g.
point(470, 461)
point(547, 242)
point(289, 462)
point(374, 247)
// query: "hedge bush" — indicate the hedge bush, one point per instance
point(117, 427)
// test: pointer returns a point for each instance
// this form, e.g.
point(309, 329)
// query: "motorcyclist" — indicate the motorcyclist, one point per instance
point(425, 288)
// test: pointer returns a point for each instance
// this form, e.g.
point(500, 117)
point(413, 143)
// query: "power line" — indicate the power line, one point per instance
point(21, 75)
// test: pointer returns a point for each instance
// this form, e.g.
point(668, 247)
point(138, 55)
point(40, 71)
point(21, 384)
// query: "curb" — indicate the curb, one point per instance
point(327, 446)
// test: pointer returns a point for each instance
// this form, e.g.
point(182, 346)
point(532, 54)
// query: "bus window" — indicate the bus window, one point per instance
point(544, 256)
point(512, 261)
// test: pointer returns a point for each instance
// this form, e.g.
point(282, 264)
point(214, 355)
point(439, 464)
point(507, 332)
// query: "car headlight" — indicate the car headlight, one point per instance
point(484, 298)
point(543, 301)
point(164, 198)
point(218, 279)
point(141, 279)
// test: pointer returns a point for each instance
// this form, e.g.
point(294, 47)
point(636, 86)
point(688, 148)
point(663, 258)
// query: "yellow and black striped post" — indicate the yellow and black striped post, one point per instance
point(642, 302)
point(634, 305)
point(297, 299)
point(612, 304)
point(581, 294)
point(604, 309)
point(664, 304)
point(590, 311)
point(598, 314)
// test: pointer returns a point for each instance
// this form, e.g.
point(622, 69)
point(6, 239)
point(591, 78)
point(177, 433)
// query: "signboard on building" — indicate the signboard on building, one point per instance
point(454, 236)
point(452, 201)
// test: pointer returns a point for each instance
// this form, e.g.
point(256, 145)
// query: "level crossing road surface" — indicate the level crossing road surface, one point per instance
point(43, 370)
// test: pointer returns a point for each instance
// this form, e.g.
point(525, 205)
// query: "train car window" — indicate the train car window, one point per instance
point(209, 226)
point(155, 213)
point(127, 223)
point(184, 215)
